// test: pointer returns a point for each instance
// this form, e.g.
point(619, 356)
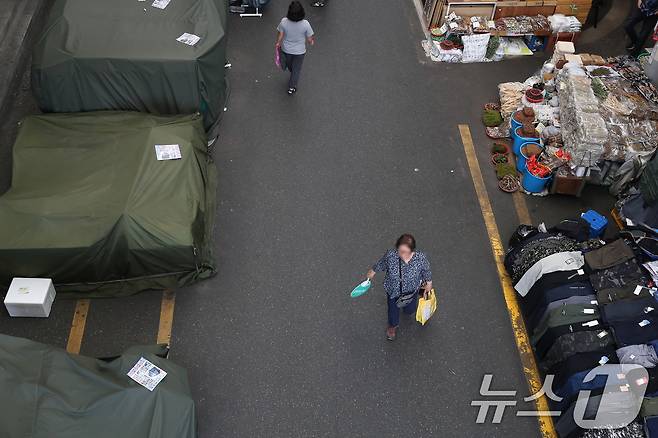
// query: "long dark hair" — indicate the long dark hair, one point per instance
point(296, 11)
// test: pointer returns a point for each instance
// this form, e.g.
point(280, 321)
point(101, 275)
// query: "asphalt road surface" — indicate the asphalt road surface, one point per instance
point(312, 190)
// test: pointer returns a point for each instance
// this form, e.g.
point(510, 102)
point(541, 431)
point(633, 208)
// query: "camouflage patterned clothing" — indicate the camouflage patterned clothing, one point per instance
point(519, 260)
point(579, 342)
point(616, 277)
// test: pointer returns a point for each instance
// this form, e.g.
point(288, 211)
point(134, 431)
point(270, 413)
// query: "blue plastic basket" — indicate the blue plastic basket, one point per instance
point(532, 183)
point(514, 123)
point(520, 140)
point(521, 159)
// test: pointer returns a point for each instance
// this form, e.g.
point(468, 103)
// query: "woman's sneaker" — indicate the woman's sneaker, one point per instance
point(390, 333)
point(292, 91)
point(318, 4)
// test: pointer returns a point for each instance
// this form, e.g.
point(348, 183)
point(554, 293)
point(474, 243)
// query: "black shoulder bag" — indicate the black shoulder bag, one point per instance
point(404, 299)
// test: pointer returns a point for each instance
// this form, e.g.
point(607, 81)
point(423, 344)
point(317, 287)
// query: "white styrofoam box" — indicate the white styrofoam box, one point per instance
point(565, 47)
point(30, 297)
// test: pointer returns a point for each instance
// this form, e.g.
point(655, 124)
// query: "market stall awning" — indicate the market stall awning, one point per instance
point(124, 55)
point(92, 207)
point(47, 392)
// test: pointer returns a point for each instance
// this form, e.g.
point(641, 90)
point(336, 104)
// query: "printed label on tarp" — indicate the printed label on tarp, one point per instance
point(147, 374)
point(160, 4)
point(167, 152)
point(188, 38)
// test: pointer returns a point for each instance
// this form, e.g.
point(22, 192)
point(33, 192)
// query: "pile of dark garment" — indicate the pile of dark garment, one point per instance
point(586, 303)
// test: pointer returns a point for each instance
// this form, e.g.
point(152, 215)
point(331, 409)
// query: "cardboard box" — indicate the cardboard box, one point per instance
point(30, 297)
point(574, 59)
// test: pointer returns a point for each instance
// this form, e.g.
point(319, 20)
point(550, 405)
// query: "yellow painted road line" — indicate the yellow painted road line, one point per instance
point(78, 326)
point(166, 316)
point(530, 370)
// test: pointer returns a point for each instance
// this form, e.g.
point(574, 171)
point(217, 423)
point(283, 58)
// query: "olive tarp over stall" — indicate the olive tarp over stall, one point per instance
point(123, 55)
point(47, 392)
point(91, 206)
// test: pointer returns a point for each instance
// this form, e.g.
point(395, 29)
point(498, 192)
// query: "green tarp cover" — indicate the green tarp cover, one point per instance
point(48, 393)
point(123, 55)
point(91, 206)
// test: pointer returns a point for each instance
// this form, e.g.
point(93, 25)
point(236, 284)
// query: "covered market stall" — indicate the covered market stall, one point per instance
point(159, 57)
point(109, 203)
point(48, 392)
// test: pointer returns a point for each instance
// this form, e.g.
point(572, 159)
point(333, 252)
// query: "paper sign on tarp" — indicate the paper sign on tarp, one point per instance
point(188, 38)
point(147, 374)
point(160, 4)
point(475, 47)
point(167, 152)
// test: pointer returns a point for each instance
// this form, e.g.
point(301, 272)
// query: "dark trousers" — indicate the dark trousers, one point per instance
point(294, 64)
point(394, 310)
point(648, 23)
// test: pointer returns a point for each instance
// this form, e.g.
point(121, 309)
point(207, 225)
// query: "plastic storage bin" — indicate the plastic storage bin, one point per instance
point(513, 123)
point(521, 159)
point(532, 183)
point(30, 297)
point(518, 140)
point(597, 223)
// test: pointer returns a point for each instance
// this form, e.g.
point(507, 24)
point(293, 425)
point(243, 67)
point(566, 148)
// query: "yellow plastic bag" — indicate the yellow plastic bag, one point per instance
point(426, 308)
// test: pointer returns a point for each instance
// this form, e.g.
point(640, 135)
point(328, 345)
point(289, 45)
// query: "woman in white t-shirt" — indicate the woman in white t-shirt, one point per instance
point(294, 33)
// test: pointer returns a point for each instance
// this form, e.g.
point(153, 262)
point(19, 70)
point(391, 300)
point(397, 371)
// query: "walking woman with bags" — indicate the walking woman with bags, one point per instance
point(293, 34)
point(407, 272)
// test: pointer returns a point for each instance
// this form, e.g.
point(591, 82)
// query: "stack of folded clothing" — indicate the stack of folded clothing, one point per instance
point(588, 303)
